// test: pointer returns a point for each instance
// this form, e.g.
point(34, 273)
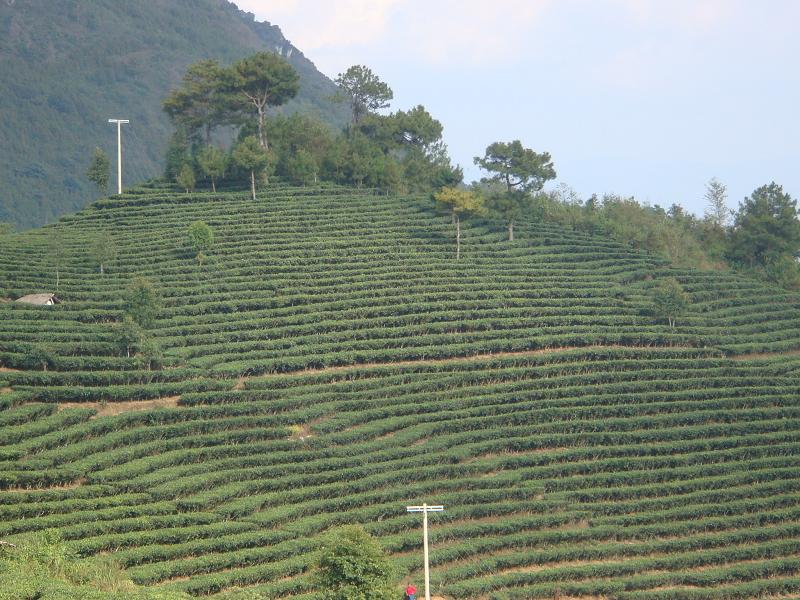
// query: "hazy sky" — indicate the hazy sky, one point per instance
point(649, 98)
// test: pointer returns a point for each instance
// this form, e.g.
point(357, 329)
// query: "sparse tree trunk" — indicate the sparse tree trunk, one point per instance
point(253, 183)
point(260, 102)
point(458, 237)
point(58, 278)
point(262, 136)
point(101, 269)
point(511, 230)
point(213, 186)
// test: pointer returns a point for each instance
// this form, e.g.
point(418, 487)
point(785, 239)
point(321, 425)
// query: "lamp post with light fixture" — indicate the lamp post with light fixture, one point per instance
point(119, 123)
point(425, 509)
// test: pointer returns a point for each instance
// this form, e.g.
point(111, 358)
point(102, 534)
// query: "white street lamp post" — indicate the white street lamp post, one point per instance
point(119, 123)
point(425, 509)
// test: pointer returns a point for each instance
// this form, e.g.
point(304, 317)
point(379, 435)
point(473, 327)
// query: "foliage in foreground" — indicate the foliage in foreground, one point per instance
point(352, 566)
point(42, 567)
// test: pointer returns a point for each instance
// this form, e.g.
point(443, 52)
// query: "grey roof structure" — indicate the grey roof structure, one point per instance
point(40, 299)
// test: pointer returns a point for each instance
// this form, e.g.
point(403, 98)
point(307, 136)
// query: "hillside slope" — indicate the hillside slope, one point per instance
point(62, 77)
point(332, 362)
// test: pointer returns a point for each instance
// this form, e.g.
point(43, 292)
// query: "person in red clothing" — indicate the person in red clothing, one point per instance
point(411, 592)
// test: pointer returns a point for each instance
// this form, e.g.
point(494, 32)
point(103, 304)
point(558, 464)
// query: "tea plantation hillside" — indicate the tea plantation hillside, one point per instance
point(331, 362)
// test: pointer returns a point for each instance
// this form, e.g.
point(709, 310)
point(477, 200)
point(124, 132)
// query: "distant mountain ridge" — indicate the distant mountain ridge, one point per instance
point(68, 66)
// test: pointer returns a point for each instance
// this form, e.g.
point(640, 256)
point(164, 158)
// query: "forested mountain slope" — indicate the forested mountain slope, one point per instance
point(331, 362)
point(66, 67)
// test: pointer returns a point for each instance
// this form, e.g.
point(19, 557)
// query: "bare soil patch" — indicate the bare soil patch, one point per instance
point(673, 588)
point(67, 486)
point(301, 432)
point(107, 409)
point(562, 564)
point(765, 355)
point(507, 453)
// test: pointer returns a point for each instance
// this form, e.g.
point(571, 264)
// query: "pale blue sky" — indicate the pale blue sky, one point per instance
point(649, 98)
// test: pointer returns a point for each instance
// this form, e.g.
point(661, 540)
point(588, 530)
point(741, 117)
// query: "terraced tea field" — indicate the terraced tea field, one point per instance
point(332, 362)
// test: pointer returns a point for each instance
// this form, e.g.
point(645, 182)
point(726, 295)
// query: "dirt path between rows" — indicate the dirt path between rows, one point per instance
point(114, 408)
point(241, 382)
point(444, 361)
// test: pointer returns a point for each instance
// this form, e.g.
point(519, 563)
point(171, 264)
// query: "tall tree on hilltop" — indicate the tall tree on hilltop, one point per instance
point(251, 156)
point(766, 228)
point(178, 154)
point(415, 128)
point(56, 250)
point(103, 250)
point(200, 104)
point(142, 302)
point(261, 81)
point(414, 139)
point(670, 300)
point(302, 143)
point(363, 90)
point(303, 168)
point(211, 161)
point(460, 202)
point(40, 356)
point(717, 211)
point(99, 169)
point(128, 335)
point(185, 178)
point(517, 167)
point(521, 170)
point(510, 205)
point(200, 238)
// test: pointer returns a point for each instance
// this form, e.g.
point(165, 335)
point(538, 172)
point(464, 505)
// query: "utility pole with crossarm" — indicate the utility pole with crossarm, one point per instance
point(119, 123)
point(425, 509)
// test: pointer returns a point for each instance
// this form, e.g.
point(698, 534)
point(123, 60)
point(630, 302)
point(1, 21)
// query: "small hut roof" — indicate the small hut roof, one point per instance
point(40, 299)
